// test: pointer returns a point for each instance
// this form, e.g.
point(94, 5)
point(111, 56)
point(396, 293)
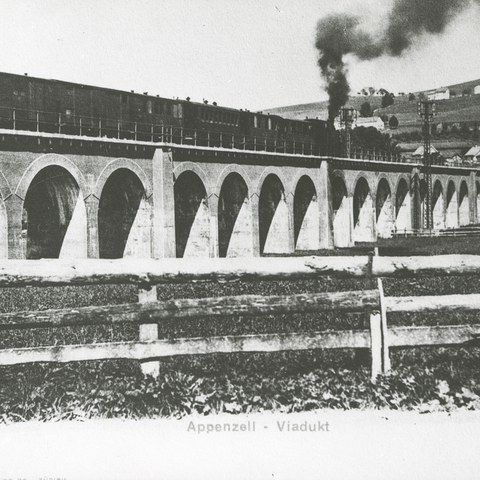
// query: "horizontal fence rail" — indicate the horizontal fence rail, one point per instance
point(17, 273)
point(153, 312)
point(148, 312)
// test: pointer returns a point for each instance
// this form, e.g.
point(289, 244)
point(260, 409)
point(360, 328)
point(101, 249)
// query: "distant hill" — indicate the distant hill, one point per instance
point(458, 109)
point(320, 109)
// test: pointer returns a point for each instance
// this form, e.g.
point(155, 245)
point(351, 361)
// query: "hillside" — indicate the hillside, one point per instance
point(458, 109)
point(320, 109)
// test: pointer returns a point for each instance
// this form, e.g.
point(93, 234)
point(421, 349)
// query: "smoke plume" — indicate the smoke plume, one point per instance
point(341, 34)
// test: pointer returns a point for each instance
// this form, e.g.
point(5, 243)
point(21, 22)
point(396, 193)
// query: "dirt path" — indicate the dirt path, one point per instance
point(345, 445)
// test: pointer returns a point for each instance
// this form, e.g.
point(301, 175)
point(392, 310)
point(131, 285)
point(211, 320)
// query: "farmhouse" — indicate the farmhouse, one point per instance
point(375, 122)
point(473, 155)
point(476, 90)
point(418, 153)
point(439, 94)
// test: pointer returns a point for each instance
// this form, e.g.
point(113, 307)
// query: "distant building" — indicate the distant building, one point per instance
point(476, 90)
point(473, 155)
point(418, 153)
point(455, 159)
point(439, 94)
point(375, 122)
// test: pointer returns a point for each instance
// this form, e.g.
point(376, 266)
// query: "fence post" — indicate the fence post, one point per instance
point(386, 365)
point(376, 344)
point(149, 331)
point(378, 328)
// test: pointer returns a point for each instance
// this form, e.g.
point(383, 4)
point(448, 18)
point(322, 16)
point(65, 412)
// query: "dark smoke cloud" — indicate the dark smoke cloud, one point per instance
point(338, 35)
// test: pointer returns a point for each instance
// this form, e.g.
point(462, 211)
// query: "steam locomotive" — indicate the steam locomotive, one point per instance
point(36, 104)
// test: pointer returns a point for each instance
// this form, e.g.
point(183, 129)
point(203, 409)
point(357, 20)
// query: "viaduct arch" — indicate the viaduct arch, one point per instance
point(205, 202)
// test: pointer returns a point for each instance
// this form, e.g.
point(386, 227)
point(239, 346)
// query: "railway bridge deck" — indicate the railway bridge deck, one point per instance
point(93, 197)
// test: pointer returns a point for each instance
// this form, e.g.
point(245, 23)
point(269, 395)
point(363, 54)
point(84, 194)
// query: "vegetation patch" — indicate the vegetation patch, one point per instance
point(241, 383)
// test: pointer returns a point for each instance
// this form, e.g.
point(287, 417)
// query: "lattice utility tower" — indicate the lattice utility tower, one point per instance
point(426, 110)
point(347, 118)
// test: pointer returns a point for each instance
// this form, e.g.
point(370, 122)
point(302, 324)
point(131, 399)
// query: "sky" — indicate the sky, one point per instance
point(252, 54)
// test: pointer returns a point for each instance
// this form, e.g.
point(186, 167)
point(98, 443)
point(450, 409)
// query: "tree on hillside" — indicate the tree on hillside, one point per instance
point(371, 90)
point(411, 97)
point(387, 100)
point(366, 110)
point(369, 138)
point(393, 122)
point(464, 130)
point(384, 117)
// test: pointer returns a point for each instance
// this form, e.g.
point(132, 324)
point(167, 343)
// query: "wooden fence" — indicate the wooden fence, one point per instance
point(146, 274)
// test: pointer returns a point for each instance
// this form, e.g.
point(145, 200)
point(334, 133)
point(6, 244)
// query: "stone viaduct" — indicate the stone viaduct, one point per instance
point(78, 197)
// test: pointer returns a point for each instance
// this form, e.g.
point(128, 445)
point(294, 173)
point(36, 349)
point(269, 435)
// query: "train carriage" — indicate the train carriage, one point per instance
point(28, 103)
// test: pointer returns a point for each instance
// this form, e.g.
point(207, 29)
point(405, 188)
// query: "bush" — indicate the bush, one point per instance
point(393, 122)
point(387, 100)
point(366, 110)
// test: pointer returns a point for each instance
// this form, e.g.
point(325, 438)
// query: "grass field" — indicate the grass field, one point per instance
point(427, 378)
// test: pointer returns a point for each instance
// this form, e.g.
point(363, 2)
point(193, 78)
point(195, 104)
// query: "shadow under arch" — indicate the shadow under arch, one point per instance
point(272, 193)
point(463, 204)
point(451, 214)
point(119, 205)
point(48, 208)
point(234, 217)
point(341, 213)
point(190, 209)
point(363, 214)
point(305, 215)
point(438, 205)
point(384, 209)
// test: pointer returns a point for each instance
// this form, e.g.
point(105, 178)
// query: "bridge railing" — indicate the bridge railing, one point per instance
point(464, 231)
point(148, 312)
point(19, 119)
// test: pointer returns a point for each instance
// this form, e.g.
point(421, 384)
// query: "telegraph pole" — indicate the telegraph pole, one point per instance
point(426, 110)
point(347, 117)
